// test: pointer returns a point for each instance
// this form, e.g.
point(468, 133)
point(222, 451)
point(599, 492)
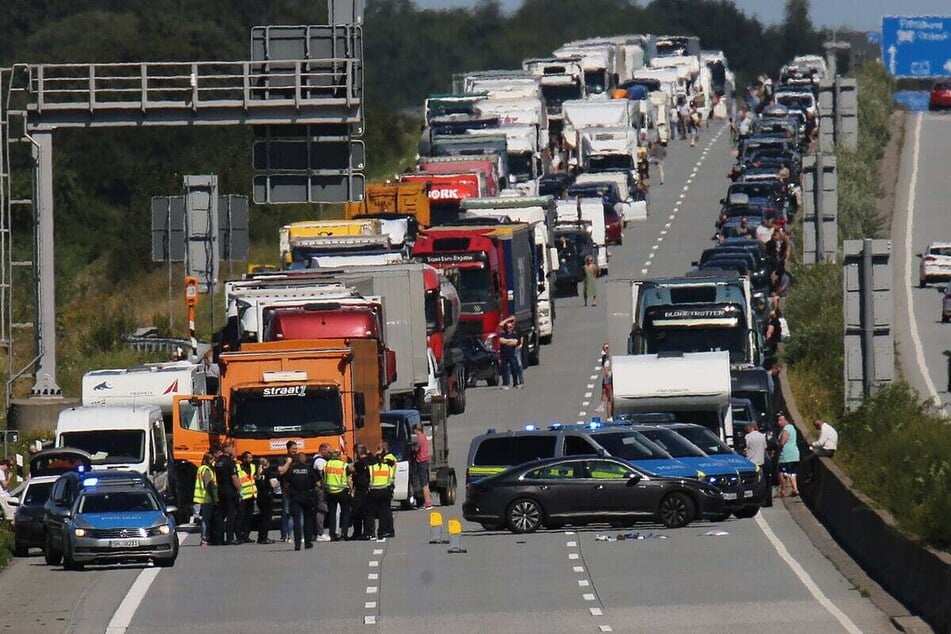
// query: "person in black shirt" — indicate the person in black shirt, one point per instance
point(262, 480)
point(361, 492)
point(300, 484)
point(226, 473)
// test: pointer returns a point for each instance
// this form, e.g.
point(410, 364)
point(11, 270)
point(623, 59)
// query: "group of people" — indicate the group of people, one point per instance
point(325, 498)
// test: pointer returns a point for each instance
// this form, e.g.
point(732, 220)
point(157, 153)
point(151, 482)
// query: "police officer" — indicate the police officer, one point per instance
point(360, 516)
point(265, 490)
point(205, 495)
point(337, 487)
point(382, 477)
point(226, 474)
point(300, 483)
point(247, 472)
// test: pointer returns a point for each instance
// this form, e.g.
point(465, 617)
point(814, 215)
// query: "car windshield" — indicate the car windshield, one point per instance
point(108, 446)
point(673, 443)
point(630, 445)
point(474, 285)
point(117, 502)
point(37, 494)
point(705, 439)
point(288, 410)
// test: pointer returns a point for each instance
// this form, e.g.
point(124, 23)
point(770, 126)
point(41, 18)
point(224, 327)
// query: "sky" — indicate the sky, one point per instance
point(857, 14)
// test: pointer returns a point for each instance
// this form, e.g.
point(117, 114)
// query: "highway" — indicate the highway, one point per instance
point(921, 217)
point(763, 574)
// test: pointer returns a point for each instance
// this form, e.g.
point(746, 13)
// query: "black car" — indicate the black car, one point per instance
point(583, 489)
point(482, 363)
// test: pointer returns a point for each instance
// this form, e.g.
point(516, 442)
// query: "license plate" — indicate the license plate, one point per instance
point(747, 494)
point(124, 543)
point(729, 496)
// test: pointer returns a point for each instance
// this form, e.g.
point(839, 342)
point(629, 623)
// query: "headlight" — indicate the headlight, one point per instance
point(164, 530)
point(79, 532)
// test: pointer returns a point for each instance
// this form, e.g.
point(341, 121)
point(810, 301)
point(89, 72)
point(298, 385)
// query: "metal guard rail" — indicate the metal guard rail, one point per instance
point(194, 84)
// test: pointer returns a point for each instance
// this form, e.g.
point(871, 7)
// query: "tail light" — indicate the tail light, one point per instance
point(930, 258)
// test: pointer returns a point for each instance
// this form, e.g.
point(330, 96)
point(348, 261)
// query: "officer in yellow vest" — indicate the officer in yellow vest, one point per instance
point(382, 478)
point(247, 470)
point(206, 495)
point(337, 485)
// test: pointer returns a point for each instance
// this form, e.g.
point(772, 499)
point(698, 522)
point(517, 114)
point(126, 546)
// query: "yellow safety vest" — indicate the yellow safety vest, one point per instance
point(379, 475)
point(202, 495)
point(335, 476)
point(248, 489)
point(393, 459)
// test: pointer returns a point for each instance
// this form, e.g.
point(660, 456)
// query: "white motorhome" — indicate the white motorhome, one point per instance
point(590, 211)
point(695, 387)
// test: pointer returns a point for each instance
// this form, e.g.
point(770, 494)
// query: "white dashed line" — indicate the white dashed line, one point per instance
point(605, 628)
point(377, 551)
point(571, 544)
point(588, 394)
point(590, 385)
point(370, 605)
point(663, 232)
point(583, 583)
point(374, 564)
point(372, 589)
point(573, 556)
point(373, 577)
point(667, 226)
point(671, 216)
point(582, 413)
point(596, 611)
point(578, 568)
point(643, 271)
point(654, 248)
point(588, 597)
point(585, 403)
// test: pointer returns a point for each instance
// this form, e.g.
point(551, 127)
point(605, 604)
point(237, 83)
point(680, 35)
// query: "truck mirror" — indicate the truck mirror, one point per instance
point(541, 288)
point(217, 416)
point(360, 422)
point(159, 465)
point(359, 406)
point(447, 316)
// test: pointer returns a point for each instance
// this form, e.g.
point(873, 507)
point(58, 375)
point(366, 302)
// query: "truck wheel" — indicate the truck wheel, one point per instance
point(493, 379)
point(535, 354)
point(546, 340)
point(447, 496)
point(457, 404)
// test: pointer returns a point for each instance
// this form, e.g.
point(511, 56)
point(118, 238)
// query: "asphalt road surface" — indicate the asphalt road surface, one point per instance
point(762, 575)
point(922, 206)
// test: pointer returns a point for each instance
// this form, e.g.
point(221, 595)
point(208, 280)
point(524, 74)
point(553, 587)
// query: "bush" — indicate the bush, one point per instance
point(6, 543)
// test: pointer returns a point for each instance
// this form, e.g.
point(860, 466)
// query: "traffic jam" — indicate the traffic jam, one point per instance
point(321, 403)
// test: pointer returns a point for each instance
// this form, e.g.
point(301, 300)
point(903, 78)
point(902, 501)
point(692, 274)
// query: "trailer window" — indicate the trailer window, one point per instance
point(309, 412)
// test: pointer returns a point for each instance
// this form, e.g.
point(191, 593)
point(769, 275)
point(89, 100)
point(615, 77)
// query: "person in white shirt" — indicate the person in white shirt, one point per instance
point(828, 440)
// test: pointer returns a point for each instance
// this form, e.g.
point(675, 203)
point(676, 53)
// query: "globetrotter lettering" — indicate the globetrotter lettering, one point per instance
point(285, 390)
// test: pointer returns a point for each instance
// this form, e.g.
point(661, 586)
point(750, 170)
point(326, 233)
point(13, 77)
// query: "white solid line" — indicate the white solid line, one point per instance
point(370, 605)
point(578, 568)
point(807, 581)
point(571, 544)
point(134, 597)
point(910, 304)
point(372, 589)
point(596, 611)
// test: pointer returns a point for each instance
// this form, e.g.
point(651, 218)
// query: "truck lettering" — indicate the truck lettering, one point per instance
point(285, 390)
point(444, 194)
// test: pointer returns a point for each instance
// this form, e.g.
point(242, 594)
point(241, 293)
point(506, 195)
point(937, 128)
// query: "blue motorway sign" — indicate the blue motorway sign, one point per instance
point(917, 46)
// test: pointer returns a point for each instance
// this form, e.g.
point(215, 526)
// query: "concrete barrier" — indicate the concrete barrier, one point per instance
point(918, 576)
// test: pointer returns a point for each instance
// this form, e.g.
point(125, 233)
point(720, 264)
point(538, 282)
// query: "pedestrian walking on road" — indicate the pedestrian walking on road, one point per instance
point(337, 484)
point(421, 465)
point(229, 486)
point(300, 483)
point(607, 391)
point(590, 281)
point(205, 496)
point(657, 155)
point(788, 457)
point(264, 481)
point(756, 453)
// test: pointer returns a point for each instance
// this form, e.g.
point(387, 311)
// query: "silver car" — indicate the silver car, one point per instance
point(935, 263)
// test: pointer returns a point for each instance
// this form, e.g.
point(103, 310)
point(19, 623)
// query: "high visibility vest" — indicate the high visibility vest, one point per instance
point(335, 476)
point(390, 457)
point(379, 475)
point(202, 495)
point(248, 487)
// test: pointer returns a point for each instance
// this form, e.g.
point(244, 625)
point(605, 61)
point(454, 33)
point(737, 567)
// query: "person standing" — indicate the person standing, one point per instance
point(421, 464)
point(509, 344)
point(590, 281)
point(657, 154)
point(607, 391)
point(380, 472)
point(265, 498)
point(205, 496)
point(386, 527)
point(774, 331)
point(287, 522)
point(247, 472)
point(788, 457)
point(359, 510)
point(756, 453)
point(337, 485)
point(299, 485)
point(229, 485)
point(320, 515)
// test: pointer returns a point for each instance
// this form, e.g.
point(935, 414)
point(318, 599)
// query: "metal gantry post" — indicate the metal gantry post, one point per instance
point(868, 319)
point(45, 382)
point(817, 196)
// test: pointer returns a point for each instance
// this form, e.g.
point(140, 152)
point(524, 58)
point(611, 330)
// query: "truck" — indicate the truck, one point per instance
point(492, 146)
point(147, 384)
point(539, 212)
point(497, 279)
point(589, 211)
point(631, 207)
point(597, 63)
point(397, 198)
point(324, 228)
point(523, 155)
point(691, 387)
point(701, 312)
point(560, 80)
point(579, 115)
point(450, 182)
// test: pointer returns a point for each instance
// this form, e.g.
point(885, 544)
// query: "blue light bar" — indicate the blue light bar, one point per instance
point(529, 428)
point(90, 482)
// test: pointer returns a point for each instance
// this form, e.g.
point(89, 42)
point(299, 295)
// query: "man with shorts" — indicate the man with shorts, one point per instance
point(421, 464)
point(788, 457)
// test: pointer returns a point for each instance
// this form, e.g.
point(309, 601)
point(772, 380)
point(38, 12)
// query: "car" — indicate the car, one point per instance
point(482, 362)
point(59, 507)
point(940, 96)
point(583, 489)
point(946, 305)
point(935, 263)
point(119, 523)
point(29, 499)
point(613, 226)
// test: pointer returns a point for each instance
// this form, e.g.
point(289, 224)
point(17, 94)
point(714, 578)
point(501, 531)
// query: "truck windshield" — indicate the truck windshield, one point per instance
point(520, 166)
point(108, 446)
point(610, 162)
point(630, 445)
point(475, 285)
point(556, 94)
point(697, 339)
point(286, 411)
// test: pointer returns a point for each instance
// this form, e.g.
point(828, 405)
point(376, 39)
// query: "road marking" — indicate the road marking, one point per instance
point(596, 611)
point(663, 232)
point(377, 551)
point(370, 605)
point(578, 568)
point(134, 597)
point(572, 556)
point(590, 385)
point(586, 395)
point(667, 226)
point(374, 564)
point(605, 628)
point(588, 596)
point(671, 216)
point(594, 376)
point(372, 589)
point(582, 413)
point(369, 620)
point(682, 196)
point(806, 580)
point(910, 304)
point(571, 544)
point(644, 271)
point(654, 248)
point(373, 576)
point(689, 180)
point(583, 583)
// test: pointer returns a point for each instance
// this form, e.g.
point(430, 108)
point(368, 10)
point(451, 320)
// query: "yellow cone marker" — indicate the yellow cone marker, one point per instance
point(435, 528)
point(455, 537)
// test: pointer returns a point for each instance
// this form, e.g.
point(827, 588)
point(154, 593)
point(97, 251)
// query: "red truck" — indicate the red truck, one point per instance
point(496, 277)
point(451, 180)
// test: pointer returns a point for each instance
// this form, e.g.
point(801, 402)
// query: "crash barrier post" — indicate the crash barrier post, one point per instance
point(455, 537)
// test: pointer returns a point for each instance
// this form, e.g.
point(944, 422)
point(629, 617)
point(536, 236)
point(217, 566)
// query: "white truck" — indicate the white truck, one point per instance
point(589, 211)
point(608, 149)
point(560, 80)
point(583, 114)
point(694, 387)
point(522, 154)
point(597, 62)
point(541, 214)
point(631, 209)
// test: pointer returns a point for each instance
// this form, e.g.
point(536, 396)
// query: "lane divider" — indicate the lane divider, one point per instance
point(372, 603)
point(589, 593)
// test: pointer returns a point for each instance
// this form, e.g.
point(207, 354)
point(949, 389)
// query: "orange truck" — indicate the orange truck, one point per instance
point(394, 198)
point(309, 391)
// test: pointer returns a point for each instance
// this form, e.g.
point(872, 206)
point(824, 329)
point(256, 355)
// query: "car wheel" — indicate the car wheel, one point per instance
point(19, 550)
point(491, 526)
point(722, 517)
point(70, 564)
point(676, 510)
point(407, 505)
point(165, 563)
point(524, 516)
point(493, 379)
point(50, 554)
point(945, 319)
point(746, 513)
point(457, 404)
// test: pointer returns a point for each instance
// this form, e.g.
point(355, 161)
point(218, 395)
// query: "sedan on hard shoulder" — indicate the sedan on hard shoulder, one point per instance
point(586, 489)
